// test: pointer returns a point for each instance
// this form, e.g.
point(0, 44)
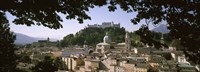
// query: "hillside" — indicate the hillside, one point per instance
point(24, 39)
point(92, 36)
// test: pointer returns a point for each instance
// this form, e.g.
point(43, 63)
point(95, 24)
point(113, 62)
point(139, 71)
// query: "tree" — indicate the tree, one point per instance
point(45, 12)
point(24, 57)
point(68, 40)
point(47, 65)
point(60, 63)
point(7, 50)
point(147, 37)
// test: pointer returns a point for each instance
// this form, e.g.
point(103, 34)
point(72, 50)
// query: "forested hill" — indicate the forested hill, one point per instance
point(92, 36)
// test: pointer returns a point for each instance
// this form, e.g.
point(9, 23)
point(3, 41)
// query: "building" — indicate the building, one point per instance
point(44, 43)
point(73, 62)
point(185, 68)
point(74, 57)
point(104, 25)
point(106, 44)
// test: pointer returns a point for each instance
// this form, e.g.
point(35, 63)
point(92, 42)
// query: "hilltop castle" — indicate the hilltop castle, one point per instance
point(104, 25)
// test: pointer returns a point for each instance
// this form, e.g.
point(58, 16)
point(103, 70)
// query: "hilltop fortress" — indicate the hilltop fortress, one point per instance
point(104, 25)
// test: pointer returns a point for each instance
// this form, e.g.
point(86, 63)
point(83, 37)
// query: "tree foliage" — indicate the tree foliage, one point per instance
point(24, 57)
point(182, 17)
point(46, 65)
point(45, 12)
point(148, 37)
point(7, 50)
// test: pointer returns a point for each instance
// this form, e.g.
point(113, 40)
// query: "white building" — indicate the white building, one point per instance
point(106, 44)
point(182, 59)
point(104, 25)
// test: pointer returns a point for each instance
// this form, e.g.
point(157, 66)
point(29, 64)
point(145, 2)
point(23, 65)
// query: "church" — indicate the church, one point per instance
point(107, 45)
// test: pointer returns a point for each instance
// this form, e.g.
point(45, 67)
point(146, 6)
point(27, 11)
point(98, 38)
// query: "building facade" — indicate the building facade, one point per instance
point(104, 25)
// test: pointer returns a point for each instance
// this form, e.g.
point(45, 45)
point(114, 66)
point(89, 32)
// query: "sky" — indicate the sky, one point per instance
point(97, 14)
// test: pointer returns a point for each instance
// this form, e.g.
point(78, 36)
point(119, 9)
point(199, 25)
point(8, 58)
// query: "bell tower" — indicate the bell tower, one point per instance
point(128, 41)
point(162, 39)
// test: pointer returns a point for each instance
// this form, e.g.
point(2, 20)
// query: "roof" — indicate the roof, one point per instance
point(130, 61)
point(186, 65)
point(73, 51)
point(121, 44)
point(156, 59)
point(92, 60)
point(103, 44)
point(42, 40)
point(178, 53)
point(159, 52)
point(141, 65)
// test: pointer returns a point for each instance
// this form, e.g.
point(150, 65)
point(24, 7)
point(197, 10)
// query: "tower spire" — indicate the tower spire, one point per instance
point(106, 38)
point(127, 41)
point(162, 39)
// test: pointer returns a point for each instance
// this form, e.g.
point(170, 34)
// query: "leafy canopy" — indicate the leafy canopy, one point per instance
point(8, 60)
point(46, 65)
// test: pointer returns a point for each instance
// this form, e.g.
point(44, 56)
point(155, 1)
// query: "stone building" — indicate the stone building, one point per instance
point(104, 25)
point(106, 44)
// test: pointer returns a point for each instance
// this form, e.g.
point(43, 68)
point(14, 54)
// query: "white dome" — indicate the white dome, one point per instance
point(106, 38)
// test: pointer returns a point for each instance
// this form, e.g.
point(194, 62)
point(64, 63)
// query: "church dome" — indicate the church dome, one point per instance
point(106, 38)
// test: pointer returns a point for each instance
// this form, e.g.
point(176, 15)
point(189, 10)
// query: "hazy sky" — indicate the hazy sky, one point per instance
point(98, 15)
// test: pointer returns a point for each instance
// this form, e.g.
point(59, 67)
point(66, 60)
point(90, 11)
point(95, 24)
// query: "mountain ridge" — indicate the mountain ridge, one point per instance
point(162, 28)
point(25, 39)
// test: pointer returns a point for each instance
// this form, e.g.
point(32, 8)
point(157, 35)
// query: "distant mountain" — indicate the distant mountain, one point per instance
point(161, 28)
point(24, 39)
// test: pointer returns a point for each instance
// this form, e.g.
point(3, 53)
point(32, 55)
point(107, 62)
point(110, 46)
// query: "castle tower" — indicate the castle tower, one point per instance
point(162, 41)
point(128, 41)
